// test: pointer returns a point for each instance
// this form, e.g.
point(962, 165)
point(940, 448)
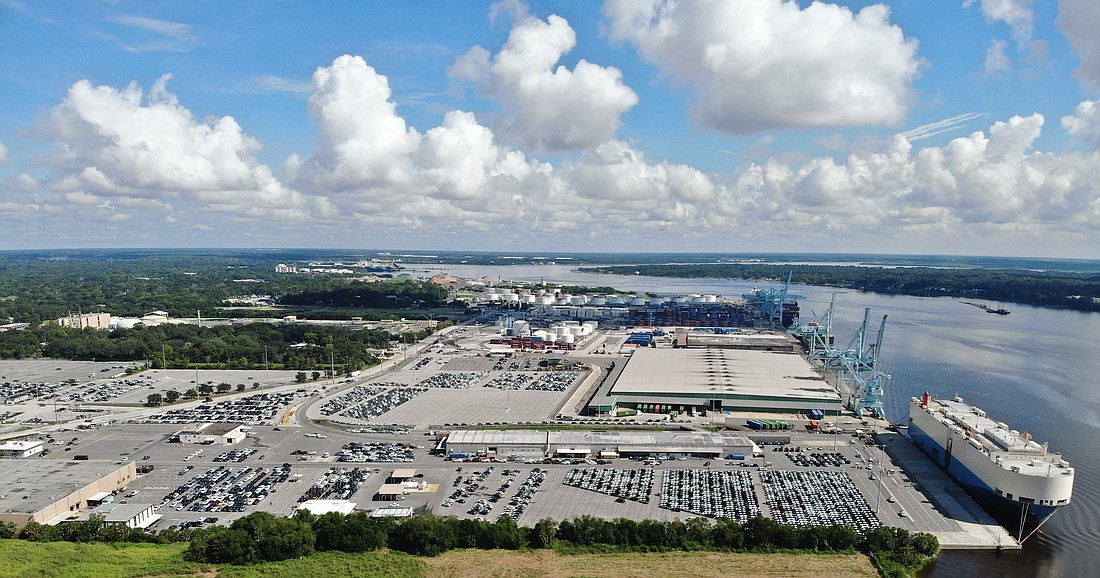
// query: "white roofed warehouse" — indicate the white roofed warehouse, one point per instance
point(718, 379)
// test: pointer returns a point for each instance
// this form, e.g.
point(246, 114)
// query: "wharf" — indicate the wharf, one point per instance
point(974, 528)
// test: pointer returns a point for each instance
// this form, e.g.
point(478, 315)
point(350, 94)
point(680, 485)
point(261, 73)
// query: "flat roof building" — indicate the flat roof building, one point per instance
point(214, 433)
point(322, 507)
point(719, 379)
point(48, 491)
point(20, 449)
point(129, 515)
point(583, 444)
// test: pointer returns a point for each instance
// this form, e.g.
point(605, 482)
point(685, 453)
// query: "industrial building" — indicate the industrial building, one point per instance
point(49, 491)
point(214, 433)
point(86, 320)
point(503, 444)
point(722, 378)
point(20, 449)
point(322, 507)
point(129, 515)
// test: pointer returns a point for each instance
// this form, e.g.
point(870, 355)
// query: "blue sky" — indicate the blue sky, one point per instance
point(959, 127)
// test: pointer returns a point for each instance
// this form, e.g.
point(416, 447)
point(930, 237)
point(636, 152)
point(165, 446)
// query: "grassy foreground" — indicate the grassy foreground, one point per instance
point(68, 560)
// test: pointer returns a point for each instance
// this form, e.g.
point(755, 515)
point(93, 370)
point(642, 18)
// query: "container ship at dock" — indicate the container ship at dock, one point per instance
point(1004, 468)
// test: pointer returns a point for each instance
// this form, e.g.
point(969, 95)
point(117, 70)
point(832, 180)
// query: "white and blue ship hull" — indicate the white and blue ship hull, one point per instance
point(1006, 471)
point(980, 488)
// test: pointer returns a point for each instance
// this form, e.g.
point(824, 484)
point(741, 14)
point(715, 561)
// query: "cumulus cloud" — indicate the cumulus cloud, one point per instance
point(544, 106)
point(3, 154)
point(763, 64)
point(1079, 20)
point(1085, 123)
point(981, 182)
point(126, 144)
point(1016, 14)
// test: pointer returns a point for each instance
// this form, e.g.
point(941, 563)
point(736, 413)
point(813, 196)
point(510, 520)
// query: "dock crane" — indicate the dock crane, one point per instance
point(857, 369)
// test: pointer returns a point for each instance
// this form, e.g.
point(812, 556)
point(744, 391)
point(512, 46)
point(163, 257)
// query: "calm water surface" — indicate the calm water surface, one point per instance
point(1036, 369)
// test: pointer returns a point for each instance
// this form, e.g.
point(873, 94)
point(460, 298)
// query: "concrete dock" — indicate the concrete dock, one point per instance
point(974, 529)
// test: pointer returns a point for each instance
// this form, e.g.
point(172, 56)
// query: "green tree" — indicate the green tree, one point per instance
point(224, 387)
point(240, 387)
point(8, 530)
point(206, 389)
point(544, 533)
point(316, 375)
point(190, 394)
point(223, 546)
point(154, 399)
point(300, 377)
point(171, 395)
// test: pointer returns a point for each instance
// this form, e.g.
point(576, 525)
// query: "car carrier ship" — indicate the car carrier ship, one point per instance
point(1004, 468)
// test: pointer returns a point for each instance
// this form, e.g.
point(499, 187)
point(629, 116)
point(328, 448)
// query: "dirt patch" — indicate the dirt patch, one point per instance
point(549, 564)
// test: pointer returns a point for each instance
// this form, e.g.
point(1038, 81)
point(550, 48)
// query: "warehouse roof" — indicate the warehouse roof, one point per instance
point(720, 373)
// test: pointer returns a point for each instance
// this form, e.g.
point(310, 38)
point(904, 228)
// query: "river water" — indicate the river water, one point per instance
point(1037, 370)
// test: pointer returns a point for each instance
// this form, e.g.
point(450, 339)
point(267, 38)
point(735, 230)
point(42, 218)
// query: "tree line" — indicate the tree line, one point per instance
point(1044, 288)
point(264, 537)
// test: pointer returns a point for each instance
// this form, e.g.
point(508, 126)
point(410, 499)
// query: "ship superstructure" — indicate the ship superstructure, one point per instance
point(991, 459)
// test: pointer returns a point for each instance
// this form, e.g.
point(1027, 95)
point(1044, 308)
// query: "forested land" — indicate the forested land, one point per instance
point(1044, 288)
point(36, 288)
point(176, 346)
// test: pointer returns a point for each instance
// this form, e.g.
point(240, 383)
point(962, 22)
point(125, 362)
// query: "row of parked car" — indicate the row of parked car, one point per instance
point(225, 489)
point(625, 484)
point(711, 493)
point(253, 409)
point(817, 498)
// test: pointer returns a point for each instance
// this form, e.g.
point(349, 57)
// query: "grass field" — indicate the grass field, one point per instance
point(549, 564)
point(65, 560)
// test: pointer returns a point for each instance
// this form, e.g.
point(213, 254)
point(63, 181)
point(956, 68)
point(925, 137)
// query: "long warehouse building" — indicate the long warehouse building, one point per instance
point(718, 379)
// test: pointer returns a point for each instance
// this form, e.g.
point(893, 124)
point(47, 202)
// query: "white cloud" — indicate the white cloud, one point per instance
point(1079, 21)
point(3, 154)
point(1085, 123)
point(361, 139)
point(1015, 13)
point(542, 106)
point(168, 36)
point(762, 64)
point(272, 83)
point(25, 183)
point(974, 184)
point(121, 143)
point(996, 61)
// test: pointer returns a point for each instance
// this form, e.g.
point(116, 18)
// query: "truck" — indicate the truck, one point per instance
point(735, 457)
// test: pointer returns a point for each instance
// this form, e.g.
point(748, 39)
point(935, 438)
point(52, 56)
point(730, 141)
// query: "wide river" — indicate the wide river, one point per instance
point(1036, 369)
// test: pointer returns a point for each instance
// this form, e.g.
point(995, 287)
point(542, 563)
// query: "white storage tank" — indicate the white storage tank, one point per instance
point(615, 300)
point(580, 300)
point(598, 301)
point(637, 301)
point(567, 339)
